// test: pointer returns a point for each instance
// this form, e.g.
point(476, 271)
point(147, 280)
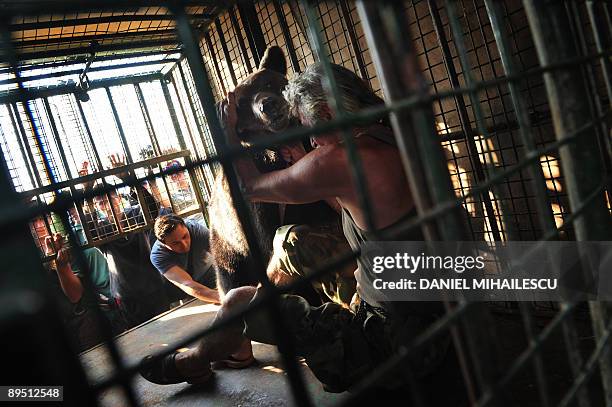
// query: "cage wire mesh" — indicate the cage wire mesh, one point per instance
point(70, 132)
point(467, 166)
point(195, 143)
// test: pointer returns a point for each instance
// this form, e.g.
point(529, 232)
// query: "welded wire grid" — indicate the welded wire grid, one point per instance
point(246, 53)
point(227, 52)
point(364, 59)
point(61, 27)
point(461, 161)
point(213, 67)
point(20, 168)
point(481, 153)
point(150, 26)
point(131, 120)
point(193, 115)
point(497, 113)
point(160, 117)
point(102, 68)
point(296, 25)
point(68, 138)
point(43, 146)
point(194, 141)
point(77, 147)
point(335, 36)
point(227, 31)
point(269, 23)
point(353, 54)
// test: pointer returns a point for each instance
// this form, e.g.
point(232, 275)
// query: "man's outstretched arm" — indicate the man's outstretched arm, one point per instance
point(179, 277)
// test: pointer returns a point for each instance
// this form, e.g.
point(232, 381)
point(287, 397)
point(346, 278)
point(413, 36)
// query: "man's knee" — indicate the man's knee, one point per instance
point(277, 273)
point(297, 249)
point(299, 232)
point(238, 297)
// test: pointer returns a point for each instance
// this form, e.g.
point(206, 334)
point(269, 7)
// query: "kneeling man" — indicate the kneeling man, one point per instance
point(182, 255)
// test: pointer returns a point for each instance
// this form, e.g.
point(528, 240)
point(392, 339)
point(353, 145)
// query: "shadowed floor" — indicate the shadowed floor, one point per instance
point(263, 384)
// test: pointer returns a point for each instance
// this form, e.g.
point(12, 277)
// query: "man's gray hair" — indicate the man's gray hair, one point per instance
point(306, 96)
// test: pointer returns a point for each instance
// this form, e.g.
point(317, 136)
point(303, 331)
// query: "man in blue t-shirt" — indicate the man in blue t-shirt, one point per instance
point(182, 255)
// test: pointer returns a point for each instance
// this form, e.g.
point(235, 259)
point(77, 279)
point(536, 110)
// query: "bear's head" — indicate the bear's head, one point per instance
point(261, 107)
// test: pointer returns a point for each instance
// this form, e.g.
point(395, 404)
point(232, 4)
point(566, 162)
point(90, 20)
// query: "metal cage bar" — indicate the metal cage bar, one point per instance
point(111, 346)
point(228, 58)
point(586, 203)
point(278, 8)
point(204, 90)
point(566, 93)
point(463, 113)
point(336, 105)
point(240, 39)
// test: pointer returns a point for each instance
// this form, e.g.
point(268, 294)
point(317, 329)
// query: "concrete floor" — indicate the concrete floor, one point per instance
point(263, 384)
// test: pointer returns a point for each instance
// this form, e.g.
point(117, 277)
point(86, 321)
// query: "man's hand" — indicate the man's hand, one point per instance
point(53, 243)
point(292, 153)
point(84, 170)
point(63, 259)
point(117, 160)
point(49, 249)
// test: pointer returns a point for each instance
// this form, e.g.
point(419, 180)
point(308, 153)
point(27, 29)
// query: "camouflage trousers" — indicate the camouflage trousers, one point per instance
point(300, 249)
point(342, 347)
point(340, 344)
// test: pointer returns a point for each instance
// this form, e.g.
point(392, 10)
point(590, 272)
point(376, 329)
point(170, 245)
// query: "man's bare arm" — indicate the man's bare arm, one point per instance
point(70, 283)
point(179, 277)
point(88, 205)
point(157, 194)
point(319, 175)
point(322, 174)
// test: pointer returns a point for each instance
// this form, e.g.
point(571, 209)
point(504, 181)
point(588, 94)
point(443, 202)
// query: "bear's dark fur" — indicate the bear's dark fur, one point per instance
point(233, 260)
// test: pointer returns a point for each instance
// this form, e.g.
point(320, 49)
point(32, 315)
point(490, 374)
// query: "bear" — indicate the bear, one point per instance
point(262, 111)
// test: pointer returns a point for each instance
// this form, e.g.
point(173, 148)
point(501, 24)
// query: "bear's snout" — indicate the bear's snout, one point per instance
point(268, 106)
point(272, 110)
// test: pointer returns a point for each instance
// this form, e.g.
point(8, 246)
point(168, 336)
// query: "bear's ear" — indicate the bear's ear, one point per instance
point(274, 59)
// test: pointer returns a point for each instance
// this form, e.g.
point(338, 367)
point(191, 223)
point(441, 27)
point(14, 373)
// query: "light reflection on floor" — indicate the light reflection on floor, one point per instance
point(274, 369)
point(183, 312)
